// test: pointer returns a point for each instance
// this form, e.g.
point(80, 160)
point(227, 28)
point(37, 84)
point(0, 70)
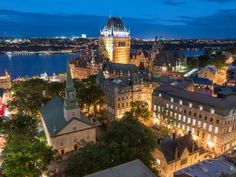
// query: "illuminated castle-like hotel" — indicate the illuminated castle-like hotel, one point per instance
point(115, 41)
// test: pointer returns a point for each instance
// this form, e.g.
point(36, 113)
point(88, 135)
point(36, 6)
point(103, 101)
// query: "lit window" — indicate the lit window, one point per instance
point(155, 115)
point(216, 130)
point(159, 94)
point(158, 108)
point(200, 108)
point(190, 105)
point(204, 126)
point(188, 128)
point(183, 127)
point(212, 111)
point(167, 105)
point(194, 122)
point(180, 102)
point(171, 106)
point(172, 100)
point(178, 125)
point(179, 116)
point(189, 120)
point(193, 131)
point(158, 161)
point(199, 124)
point(184, 118)
point(155, 108)
point(210, 128)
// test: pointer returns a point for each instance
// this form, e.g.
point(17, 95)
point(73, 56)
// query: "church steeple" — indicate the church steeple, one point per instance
point(71, 107)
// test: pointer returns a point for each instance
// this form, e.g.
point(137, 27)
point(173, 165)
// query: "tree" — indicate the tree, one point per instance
point(131, 140)
point(90, 158)
point(139, 109)
point(126, 140)
point(24, 154)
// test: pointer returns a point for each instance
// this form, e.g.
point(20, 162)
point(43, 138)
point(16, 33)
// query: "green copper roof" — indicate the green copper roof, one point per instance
point(69, 81)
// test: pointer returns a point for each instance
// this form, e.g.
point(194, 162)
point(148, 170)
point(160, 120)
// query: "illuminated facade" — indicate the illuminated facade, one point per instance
point(114, 41)
point(211, 120)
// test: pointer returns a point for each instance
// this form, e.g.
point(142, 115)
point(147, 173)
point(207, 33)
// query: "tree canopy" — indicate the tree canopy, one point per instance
point(126, 139)
point(24, 154)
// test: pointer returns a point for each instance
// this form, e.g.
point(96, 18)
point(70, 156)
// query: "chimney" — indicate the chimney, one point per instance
point(176, 153)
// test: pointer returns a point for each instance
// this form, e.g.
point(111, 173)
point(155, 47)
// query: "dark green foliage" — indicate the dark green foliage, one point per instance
point(126, 140)
point(24, 154)
point(139, 109)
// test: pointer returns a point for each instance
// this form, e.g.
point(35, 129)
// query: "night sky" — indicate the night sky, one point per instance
point(206, 19)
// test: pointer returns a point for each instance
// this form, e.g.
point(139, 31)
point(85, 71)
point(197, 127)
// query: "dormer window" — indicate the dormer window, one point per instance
point(190, 105)
point(180, 102)
point(212, 111)
point(200, 108)
point(159, 94)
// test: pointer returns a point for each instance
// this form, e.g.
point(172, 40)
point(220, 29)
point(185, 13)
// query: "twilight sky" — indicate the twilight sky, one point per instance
point(145, 18)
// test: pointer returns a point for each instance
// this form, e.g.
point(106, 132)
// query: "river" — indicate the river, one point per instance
point(34, 65)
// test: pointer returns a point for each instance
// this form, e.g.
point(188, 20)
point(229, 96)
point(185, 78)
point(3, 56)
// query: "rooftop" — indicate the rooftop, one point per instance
point(115, 28)
point(214, 167)
point(168, 147)
point(223, 106)
point(134, 168)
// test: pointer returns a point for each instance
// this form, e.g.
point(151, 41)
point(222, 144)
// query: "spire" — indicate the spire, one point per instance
point(70, 100)
point(69, 81)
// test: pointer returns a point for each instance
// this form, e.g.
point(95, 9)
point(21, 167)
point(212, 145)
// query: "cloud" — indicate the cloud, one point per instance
point(174, 2)
point(18, 24)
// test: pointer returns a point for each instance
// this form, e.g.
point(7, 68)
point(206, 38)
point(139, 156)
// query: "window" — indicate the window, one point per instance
point(189, 120)
point(216, 130)
point(159, 108)
point(159, 94)
point(193, 130)
point(211, 119)
point(217, 121)
point(179, 117)
point(118, 105)
point(190, 105)
point(215, 139)
point(200, 116)
point(204, 126)
point(184, 118)
point(194, 122)
point(195, 114)
point(212, 111)
point(167, 105)
point(155, 108)
point(61, 143)
point(180, 102)
point(183, 127)
point(205, 117)
point(210, 128)
point(200, 108)
point(171, 106)
point(158, 162)
point(123, 105)
point(189, 112)
point(199, 124)
point(172, 100)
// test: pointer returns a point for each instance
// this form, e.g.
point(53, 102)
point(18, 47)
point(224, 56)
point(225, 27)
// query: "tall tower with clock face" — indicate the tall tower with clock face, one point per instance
point(71, 106)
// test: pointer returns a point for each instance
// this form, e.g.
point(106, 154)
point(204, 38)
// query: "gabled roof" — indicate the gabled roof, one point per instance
point(168, 147)
point(53, 116)
point(134, 168)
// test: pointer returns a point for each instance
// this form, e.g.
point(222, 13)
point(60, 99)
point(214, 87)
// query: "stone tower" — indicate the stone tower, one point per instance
point(114, 41)
point(71, 107)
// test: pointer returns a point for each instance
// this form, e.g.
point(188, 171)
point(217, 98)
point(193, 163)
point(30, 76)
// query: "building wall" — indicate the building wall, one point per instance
point(118, 99)
point(166, 169)
point(68, 142)
point(5, 81)
point(84, 73)
point(212, 131)
point(117, 49)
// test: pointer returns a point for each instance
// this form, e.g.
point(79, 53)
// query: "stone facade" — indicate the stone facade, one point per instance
point(211, 120)
point(114, 41)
